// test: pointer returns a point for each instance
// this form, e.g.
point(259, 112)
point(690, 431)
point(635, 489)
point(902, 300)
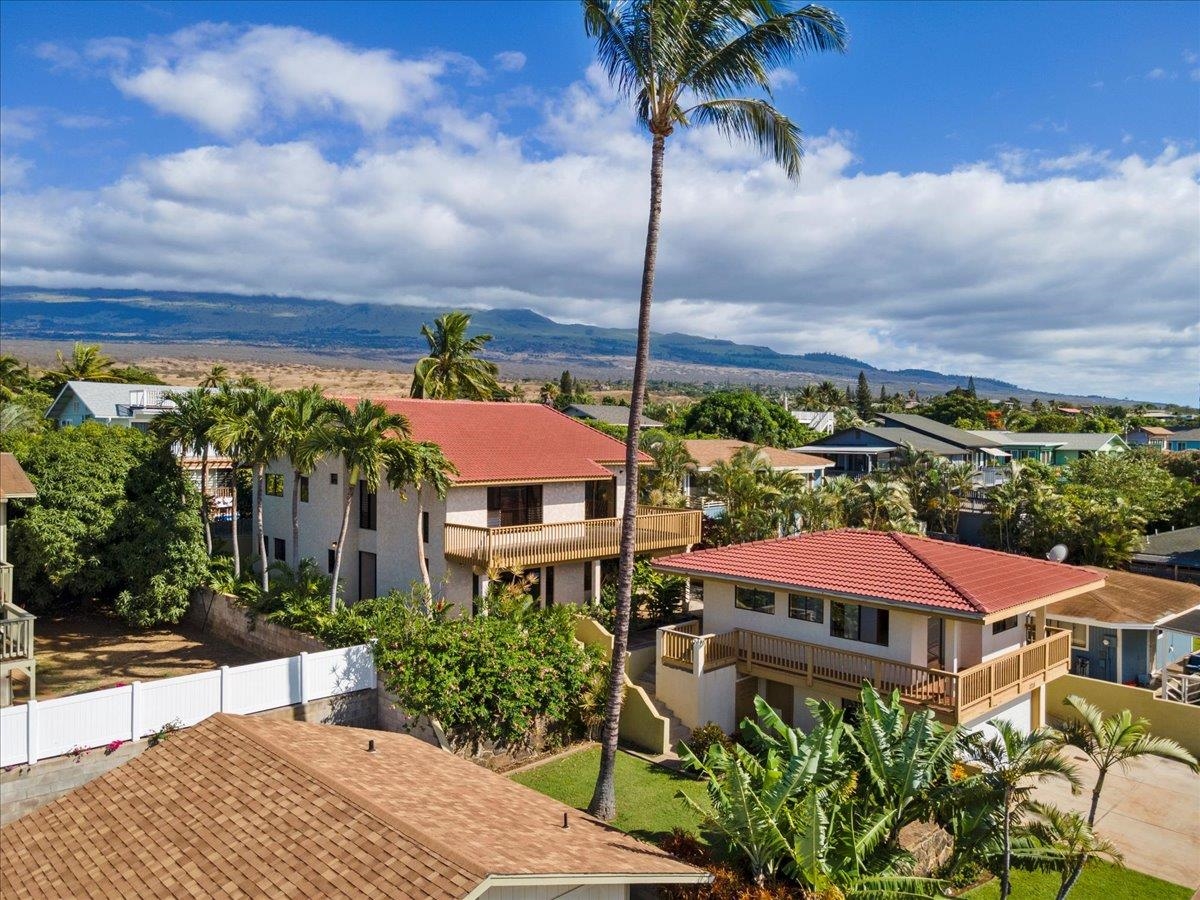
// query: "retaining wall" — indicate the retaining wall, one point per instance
point(220, 615)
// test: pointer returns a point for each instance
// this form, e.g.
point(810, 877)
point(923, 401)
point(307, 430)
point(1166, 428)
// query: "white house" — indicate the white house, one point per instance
point(136, 406)
point(958, 629)
point(536, 491)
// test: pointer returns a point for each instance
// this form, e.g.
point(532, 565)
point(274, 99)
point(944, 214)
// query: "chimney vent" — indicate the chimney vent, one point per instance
point(371, 745)
point(566, 824)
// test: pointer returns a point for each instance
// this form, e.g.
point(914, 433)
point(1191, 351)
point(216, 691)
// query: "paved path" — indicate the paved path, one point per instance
point(1151, 811)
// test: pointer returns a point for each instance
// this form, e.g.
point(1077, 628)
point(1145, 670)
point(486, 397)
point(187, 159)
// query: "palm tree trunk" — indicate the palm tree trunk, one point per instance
point(1069, 881)
point(204, 499)
point(341, 545)
point(427, 602)
point(296, 517)
point(237, 552)
point(604, 798)
point(1006, 863)
point(1096, 797)
point(260, 538)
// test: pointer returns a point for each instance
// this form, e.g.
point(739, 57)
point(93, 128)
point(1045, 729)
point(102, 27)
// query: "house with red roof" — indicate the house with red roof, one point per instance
point(957, 629)
point(536, 491)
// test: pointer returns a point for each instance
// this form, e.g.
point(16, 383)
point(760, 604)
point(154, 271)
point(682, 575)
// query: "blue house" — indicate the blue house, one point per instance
point(1117, 631)
point(1184, 440)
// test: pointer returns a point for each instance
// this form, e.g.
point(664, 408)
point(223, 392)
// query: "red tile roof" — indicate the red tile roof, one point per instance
point(509, 442)
point(250, 807)
point(893, 567)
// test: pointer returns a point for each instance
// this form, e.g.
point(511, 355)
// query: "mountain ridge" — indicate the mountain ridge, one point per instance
point(521, 336)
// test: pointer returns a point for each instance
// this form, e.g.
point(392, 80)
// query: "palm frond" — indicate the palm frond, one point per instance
point(757, 122)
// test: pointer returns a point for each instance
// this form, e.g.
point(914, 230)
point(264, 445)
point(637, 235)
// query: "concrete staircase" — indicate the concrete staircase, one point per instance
point(679, 731)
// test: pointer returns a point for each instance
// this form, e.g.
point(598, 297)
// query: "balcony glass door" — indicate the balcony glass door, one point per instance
point(937, 639)
point(515, 505)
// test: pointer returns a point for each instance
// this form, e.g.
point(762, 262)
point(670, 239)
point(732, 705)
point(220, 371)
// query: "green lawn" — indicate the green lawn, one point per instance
point(1099, 881)
point(647, 802)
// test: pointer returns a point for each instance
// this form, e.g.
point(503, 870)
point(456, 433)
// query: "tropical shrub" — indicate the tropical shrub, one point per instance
point(705, 736)
point(112, 523)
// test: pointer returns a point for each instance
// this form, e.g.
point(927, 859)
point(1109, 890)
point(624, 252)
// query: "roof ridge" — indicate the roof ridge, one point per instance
point(367, 804)
point(903, 541)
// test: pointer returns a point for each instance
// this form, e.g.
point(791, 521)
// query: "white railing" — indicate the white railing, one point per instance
point(42, 729)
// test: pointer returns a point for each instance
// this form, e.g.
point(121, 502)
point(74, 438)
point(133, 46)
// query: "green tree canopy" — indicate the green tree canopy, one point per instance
point(453, 369)
point(113, 521)
point(746, 416)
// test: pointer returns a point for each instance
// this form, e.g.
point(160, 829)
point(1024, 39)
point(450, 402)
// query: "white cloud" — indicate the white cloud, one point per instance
point(1190, 57)
point(13, 170)
point(234, 81)
point(1159, 74)
point(510, 61)
point(19, 124)
point(1076, 273)
point(782, 78)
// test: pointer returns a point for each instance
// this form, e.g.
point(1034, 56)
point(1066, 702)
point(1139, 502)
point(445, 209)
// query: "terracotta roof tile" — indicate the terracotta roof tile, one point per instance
point(898, 568)
point(238, 807)
point(514, 442)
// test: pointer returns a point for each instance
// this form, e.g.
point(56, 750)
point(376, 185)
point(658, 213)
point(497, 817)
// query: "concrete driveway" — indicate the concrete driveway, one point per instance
point(1150, 811)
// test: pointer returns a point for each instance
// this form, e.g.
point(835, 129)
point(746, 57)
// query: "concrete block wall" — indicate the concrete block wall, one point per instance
point(221, 616)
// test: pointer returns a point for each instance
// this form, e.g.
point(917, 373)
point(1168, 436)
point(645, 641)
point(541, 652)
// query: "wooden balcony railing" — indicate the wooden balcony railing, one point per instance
point(524, 546)
point(16, 631)
point(961, 696)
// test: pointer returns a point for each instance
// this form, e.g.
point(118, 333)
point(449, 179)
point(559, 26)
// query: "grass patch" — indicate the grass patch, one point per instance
point(1099, 881)
point(647, 803)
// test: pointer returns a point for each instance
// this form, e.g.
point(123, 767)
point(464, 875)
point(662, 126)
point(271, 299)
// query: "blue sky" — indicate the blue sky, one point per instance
point(1011, 143)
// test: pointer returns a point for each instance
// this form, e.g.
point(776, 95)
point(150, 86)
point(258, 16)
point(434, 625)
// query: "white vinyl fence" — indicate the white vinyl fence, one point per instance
point(42, 729)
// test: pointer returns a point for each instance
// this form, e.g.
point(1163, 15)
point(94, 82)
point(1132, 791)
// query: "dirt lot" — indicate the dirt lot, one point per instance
point(88, 651)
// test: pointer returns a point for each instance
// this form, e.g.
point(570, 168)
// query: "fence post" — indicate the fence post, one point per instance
point(374, 670)
point(135, 709)
point(31, 732)
point(226, 690)
point(303, 664)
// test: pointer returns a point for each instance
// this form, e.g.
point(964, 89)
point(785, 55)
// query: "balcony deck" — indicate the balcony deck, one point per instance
point(957, 697)
point(525, 546)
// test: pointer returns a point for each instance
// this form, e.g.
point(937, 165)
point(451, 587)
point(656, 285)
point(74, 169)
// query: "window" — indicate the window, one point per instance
point(516, 505)
point(332, 561)
point(303, 488)
point(600, 499)
point(333, 478)
point(274, 484)
point(587, 576)
point(366, 507)
point(1079, 632)
point(425, 526)
point(858, 623)
point(805, 608)
point(281, 549)
point(754, 600)
point(1004, 625)
point(548, 582)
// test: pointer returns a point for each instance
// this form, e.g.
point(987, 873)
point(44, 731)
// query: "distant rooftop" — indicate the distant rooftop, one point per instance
point(896, 436)
point(1180, 547)
point(115, 399)
point(948, 433)
point(1129, 599)
point(1064, 440)
point(707, 452)
point(607, 413)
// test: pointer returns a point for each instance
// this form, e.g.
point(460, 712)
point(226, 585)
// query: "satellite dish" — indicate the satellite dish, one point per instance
point(1057, 553)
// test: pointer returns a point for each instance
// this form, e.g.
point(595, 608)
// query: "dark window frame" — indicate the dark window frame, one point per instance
point(743, 598)
point(368, 508)
point(517, 504)
point(425, 526)
point(600, 499)
point(280, 550)
point(304, 486)
point(331, 560)
point(813, 609)
point(859, 622)
point(273, 484)
point(1004, 625)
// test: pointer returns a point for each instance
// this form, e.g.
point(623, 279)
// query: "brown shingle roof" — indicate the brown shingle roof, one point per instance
point(13, 480)
point(709, 451)
point(1129, 599)
point(250, 807)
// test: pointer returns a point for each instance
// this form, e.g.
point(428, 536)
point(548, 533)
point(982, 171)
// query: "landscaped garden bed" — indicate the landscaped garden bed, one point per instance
point(1099, 881)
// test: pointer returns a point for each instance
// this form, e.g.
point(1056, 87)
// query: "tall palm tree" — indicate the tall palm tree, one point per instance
point(252, 423)
point(1013, 764)
point(189, 424)
point(86, 363)
point(682, 63)
point(452, 371)
point(1070, 842)
point(363, 438)
point(1112, 741)
point(14, 377)
point(216, 376)
point(303, 412)
point(418, 464)
point(671, 463)
point(229, 441)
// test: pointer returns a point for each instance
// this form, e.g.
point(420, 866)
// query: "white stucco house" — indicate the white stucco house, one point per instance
point(957, 629)
point(536, 491)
